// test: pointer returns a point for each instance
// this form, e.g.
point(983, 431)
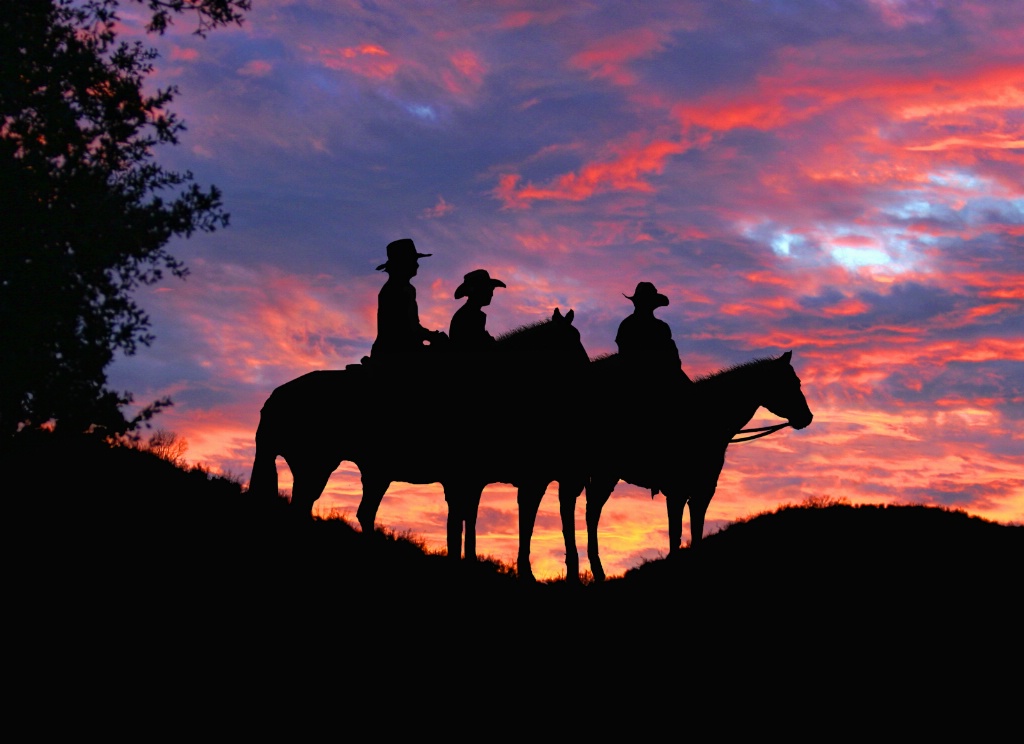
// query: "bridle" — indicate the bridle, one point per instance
point(763, 432)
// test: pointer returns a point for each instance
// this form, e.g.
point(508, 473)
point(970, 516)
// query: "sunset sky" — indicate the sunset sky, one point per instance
point(844, 179)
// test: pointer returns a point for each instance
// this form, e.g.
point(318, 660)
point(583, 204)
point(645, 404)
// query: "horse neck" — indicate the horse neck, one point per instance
point(526, 339)
point(541, 341)
point(730, 398)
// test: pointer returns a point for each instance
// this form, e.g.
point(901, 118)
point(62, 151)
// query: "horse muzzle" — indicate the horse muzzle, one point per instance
point(802, 422)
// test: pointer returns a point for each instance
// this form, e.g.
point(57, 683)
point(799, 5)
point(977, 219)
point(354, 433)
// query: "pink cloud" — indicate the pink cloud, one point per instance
point(846, 308)
point(809, 84)
point(256, 68)
point(183, 54)
point(466, 73)
point(518, 19)
point(438, 210)
point(626, 172)
point(609, 57)
point(468, 64)
point(366, 60)
point(900, 13)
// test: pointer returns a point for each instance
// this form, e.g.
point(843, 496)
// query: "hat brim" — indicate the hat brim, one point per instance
point(465, 289)
point(657, 300)
point(416, 256)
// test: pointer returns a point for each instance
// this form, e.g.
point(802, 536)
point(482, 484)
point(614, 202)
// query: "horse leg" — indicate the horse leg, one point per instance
point(568, 493)
point(470, 510)
point(698, 509)
point(529, 499)
point(455, 497)
point(675, 502)
point(463, 505)
point(599, 490)
point(701, 497)
point(263, 481)
point(374, 487)
point(307, 488)
point(699, 503)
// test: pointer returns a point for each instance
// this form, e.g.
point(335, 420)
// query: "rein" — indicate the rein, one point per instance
point(764, 431)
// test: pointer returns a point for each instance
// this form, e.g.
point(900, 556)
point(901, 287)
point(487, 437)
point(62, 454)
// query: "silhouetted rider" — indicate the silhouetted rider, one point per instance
point(399, 332)
point(645, 342)
point(468, 331)
point(653, 381)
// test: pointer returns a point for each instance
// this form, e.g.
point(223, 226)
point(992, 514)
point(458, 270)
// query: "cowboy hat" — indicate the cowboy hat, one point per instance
point(401, 251)
point(647, 296)
point(475, 281)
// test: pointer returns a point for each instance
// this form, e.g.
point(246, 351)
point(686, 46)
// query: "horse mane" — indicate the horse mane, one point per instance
point(606, 361)
point(735, 369)
point(525, 328)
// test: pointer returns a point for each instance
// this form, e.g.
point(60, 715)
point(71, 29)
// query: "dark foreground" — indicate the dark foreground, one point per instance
point(130, 564)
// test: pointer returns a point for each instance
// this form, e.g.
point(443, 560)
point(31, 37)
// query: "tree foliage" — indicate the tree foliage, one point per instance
point(86, 211)
point(209, 13)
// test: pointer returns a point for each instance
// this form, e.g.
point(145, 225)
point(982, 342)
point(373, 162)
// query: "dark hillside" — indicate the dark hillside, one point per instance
point(119, 545)
point(99, 500)
point(832, 543)
point(903, 564)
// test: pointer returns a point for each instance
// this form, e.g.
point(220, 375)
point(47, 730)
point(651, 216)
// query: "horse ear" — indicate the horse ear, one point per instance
point(787, 356)
point(569, 315)
point(558, 313)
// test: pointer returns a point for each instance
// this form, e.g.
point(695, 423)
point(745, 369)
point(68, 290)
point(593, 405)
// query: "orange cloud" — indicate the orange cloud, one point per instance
point(276, 321)
point(765, 307)
point(846, 307)
point(807, 84)
point(985, 91)
point(368, 60)
point(724, 116)
point(981, 141)
point(625, 173)
point(1007, 293)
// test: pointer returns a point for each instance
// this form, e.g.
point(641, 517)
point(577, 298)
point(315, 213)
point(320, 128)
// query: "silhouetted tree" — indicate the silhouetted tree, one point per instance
point(85, 209)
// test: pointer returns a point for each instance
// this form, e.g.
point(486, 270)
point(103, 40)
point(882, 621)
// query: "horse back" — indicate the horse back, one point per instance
point(310, 403)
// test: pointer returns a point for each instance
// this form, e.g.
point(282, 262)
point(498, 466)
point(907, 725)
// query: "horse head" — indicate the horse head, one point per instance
point(783, 396)
point(552, 341)
point(567, 318)
point(570, 343)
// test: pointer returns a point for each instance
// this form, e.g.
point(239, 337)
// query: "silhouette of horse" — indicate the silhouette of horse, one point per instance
point(458, 420)
point(518, 374)
point(683, 451)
